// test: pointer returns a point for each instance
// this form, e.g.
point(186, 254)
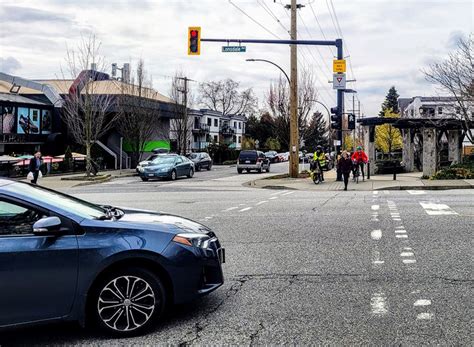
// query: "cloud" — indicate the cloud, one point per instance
point(454, 38)
point(9, 65)
point(27, 15)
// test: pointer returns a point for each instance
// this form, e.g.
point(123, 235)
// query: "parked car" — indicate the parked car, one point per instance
point(201, 160)
point(273, 156)
point(283, 156)
point(62, 258)
point(252, 160)
point(146, 162)
point(168, 166)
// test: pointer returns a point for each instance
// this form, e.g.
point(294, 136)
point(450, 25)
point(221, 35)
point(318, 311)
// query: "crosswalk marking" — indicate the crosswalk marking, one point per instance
point(434, 209)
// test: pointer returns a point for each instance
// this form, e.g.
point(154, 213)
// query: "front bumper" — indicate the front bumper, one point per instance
point(194, 271)
point(155, 174)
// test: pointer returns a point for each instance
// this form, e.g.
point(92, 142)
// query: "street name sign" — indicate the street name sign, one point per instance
point(234, 48)
point(339, 65)
point(339, 81)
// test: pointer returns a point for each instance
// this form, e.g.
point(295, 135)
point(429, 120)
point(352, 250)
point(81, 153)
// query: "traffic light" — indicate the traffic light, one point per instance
point(194, 40)
point(351, 121)
point(336, 119)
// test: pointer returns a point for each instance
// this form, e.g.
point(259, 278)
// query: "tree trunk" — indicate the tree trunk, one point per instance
point(88, 159)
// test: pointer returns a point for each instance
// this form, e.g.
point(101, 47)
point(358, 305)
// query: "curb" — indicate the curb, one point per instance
point(466, 186)
point(88, 183)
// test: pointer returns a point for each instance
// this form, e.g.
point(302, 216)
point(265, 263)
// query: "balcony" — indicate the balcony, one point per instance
point(201, 129)
point(226, 130)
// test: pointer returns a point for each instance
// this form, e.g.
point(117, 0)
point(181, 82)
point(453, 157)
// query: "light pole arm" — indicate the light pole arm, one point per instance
point(270, 62)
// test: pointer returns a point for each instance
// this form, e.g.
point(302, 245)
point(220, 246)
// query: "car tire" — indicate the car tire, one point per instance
point(191, 173)
point(209, 167)
point(173, 175)
point(198, 167)
point(144, 179)
point(239, 171)
point(259, 170)
point(116, 284)
point(248, 170)
point(268, 168)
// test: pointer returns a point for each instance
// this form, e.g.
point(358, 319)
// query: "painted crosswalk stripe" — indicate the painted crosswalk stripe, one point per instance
point(245, 209)
point(434, 209)
point(378, 304)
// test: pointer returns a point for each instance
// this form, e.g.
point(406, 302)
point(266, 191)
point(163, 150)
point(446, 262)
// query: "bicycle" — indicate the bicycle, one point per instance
point(356, 173)
point(315, 172)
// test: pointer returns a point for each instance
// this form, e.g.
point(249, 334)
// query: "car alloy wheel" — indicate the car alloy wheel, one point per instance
point(173, 175)
point(191, 173)
point(209, 167)
point(128, 302)
point(198, 167)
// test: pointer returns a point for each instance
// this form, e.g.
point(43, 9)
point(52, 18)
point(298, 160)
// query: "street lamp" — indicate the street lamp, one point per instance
point(270, 62)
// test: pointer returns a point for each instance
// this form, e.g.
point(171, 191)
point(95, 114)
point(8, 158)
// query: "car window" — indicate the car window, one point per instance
point(152, 157)
point(16, 219)
point(179, 160)
point(164, 160)
point(79, 207)
point(193, 156)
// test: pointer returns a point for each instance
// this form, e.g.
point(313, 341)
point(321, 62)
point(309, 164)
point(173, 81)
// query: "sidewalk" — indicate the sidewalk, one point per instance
point(404, 181)
point(56, 182)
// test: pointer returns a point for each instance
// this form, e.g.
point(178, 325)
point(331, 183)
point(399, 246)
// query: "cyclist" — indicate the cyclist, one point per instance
point(359, 158)
point(319, 157)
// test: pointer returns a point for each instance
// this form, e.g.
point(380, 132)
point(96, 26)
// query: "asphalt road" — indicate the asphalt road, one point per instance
point(339, 268)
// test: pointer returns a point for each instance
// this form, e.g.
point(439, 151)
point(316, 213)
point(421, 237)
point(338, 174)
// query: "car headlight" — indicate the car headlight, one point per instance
point(164, 169)
point(140, 169)
point(193, 239)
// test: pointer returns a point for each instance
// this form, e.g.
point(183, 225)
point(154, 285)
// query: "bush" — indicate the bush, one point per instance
point(455, 172)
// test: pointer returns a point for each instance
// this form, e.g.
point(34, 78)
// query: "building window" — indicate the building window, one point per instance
point(209, 121)
point(238, 139)
point(195, 138)
point(208, 138)
point(215, 138)
point(412, 112)
point(234, 138)
point(240, 125)
point(235, 125)
point(216, 122)
point(440, 110)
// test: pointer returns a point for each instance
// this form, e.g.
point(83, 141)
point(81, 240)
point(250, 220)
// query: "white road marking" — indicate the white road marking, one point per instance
point(400, 231)
point(274, 197)
point(409, 261)
point(386, 192)
point(376, 258)
point(416, 192)
point(434, 209)
point(416, 291)
point(207, 218)
point(376, 234)
point(407, 248)
point(261, 202)
point(375, 207)
point(422, 302)
point(277, 193)
point(375, 192)
point(230, 209)
point(407, 254)
point(397, 219)
point(425, 316)
point(400, 227)
point(378, 304)
point(402, 236)
point(245, 209)
point(288, 193)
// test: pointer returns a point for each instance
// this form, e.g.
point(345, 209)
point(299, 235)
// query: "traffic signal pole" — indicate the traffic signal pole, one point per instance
point(294, 136)
point(340, 98)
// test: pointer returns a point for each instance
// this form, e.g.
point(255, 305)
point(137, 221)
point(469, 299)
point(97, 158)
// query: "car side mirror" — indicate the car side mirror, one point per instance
point(47, 226)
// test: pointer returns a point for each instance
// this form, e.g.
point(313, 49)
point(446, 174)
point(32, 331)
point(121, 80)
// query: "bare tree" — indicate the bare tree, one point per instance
point(224, 96)
point(139, 115)
point(278, 101)
point(88, 105)
point(456, 76)
point(181, 125)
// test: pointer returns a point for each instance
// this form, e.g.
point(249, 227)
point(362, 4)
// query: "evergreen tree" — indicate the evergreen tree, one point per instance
point(391, 102)
point(317, 133)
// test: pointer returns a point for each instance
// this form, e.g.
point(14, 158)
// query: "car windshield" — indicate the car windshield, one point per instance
point(152, 157)
point(79, 207)
point(164, 160)
point(193, 156)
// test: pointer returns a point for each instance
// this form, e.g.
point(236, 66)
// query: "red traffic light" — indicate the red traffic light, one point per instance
point(194, 33)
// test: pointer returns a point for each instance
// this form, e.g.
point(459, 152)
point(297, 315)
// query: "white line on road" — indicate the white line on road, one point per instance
point(400, 231)
point(407, 248)
point(375, 192)
point(386, 192)
point(376, 234)
point(416, 192)
point(273, 198)
point(288, 193)
point(378, 304)
point(376, 258)
point(245, 209)
point(402, 236)
point(261, 202)
point(422, 302)
point(230, 209)
point(375, 207)
point(424, 316)
point(407, 254)
point(277, 193)
point(409, 261)
point(434, 209)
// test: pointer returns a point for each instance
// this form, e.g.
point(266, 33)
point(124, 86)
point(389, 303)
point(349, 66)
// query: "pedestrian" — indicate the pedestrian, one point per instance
point(344, 165)
point(34, 167)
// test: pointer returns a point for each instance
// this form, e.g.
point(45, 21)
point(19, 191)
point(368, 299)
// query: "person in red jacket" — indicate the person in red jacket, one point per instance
point(359, 158)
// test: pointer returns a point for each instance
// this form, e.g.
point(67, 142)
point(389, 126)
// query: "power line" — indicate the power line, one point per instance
point(255, 21)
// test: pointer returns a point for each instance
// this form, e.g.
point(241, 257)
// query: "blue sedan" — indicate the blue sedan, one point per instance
point(167, 166)
point(63, 258)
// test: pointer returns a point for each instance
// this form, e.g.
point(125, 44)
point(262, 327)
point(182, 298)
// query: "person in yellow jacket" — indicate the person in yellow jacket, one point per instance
point(320, 157)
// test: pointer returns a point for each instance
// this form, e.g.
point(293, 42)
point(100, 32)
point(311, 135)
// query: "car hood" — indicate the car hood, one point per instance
point(166, 221)
point(159, 166)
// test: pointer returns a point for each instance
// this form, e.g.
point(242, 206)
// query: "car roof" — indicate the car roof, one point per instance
point(5, 182)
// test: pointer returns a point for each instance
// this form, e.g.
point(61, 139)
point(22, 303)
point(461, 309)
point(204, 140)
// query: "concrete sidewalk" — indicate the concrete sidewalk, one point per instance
point(404, 181)
point(56, 181)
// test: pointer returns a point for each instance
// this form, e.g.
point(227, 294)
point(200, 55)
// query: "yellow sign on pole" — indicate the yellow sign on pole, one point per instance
point(339, 65)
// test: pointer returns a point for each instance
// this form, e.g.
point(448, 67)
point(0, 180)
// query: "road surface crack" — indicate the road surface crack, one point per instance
point(254, 335)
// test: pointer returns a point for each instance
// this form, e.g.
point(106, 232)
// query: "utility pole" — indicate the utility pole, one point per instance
point(294, 135)
point(184, 125)
point(354, 115)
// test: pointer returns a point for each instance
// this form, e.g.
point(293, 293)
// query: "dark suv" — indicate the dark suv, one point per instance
point(201, 160)
point(252, 160)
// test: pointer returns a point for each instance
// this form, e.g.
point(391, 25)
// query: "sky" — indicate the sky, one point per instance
point(386, 43)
